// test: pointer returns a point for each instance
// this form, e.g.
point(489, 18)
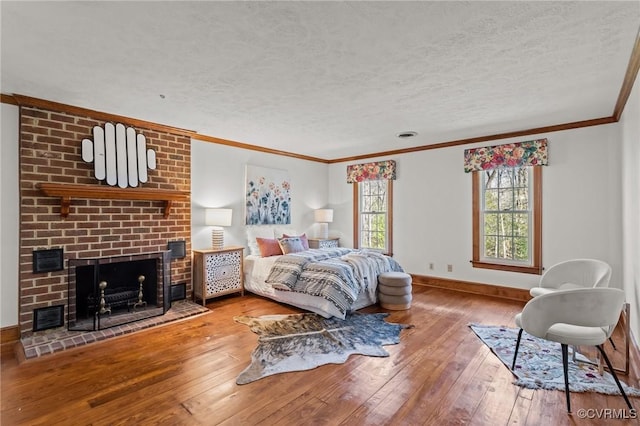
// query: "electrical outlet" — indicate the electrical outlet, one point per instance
point(449, 268)
point(431, 266)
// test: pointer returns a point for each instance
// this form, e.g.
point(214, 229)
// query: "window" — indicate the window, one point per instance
point(507, 219)
point(373, 214)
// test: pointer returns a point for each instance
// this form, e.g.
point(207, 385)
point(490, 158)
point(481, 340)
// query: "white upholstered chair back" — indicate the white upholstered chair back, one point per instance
point(574, 273)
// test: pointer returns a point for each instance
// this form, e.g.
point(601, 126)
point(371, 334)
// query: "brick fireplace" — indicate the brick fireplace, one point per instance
point(106, 226)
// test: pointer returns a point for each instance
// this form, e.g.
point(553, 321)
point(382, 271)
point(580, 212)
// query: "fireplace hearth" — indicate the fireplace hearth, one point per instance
point(110, 291)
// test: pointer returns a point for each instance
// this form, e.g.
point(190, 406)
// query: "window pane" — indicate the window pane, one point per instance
point(522, 199)
point(504, 248)
point(521, 248)
point(491, 199)
point(491, 224)
point(522, 178)
point(521, 224)
point(505, 201)
point(490, 246)
point(505, 223)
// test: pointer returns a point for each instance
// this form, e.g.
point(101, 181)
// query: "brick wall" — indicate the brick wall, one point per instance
point(50, 151)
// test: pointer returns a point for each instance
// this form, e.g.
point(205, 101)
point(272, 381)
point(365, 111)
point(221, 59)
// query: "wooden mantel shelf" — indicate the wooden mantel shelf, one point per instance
point(68, 191)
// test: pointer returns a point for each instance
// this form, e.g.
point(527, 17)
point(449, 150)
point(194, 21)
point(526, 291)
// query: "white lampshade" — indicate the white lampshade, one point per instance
point(217, 218)
point(323, 215)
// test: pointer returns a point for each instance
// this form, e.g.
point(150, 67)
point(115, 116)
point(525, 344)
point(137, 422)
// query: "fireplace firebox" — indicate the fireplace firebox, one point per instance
point(109, 291)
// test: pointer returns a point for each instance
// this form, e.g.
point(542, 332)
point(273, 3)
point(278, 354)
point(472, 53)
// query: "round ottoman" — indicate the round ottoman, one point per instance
point(394, 290)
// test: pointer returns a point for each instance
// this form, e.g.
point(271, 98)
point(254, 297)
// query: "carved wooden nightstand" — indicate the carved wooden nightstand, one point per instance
point(217, 272)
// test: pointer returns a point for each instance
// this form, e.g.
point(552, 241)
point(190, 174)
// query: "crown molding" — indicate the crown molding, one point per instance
point(537, 130)
point(242, 145)
point(629, 79)
point(28, 101)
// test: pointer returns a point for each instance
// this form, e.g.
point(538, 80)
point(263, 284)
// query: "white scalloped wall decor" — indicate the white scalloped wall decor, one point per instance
point(120, 156)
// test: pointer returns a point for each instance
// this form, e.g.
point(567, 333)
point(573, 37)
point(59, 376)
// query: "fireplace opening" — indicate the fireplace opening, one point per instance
point(105, 292)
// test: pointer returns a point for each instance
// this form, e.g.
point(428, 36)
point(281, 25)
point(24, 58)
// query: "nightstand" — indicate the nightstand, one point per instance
point(217, 272)
point(324, 242)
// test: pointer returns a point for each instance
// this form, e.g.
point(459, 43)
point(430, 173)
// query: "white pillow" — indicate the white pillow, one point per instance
point(279, 231)
point(258, 231)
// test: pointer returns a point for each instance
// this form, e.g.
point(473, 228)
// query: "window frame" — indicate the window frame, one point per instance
point(536, 231)
point(357, 216)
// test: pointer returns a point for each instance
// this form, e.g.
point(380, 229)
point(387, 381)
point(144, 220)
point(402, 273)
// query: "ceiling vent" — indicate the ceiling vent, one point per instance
point(408, 134)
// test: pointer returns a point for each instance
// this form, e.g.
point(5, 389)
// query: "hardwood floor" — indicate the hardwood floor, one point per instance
point(184, 373)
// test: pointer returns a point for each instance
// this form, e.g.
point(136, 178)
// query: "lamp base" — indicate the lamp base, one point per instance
point(217, 239)
point(324, 230)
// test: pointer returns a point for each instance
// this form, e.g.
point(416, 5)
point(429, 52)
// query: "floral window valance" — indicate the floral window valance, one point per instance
point(521, 154)
point(371, 171)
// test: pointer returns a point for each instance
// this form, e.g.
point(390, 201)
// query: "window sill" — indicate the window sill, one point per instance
point(536, 270)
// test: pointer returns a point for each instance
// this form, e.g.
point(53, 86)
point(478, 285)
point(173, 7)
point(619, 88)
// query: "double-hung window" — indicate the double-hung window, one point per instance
point(507, 207)
point(372, 210)
point(372, 204)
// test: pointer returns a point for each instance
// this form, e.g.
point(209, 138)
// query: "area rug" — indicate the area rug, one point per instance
point(539, 363)
point(301, 342)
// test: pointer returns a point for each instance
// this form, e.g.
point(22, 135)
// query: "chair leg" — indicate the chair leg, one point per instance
point(565, 367)
point(615, 376)
point(613, 344)
point(515, 354)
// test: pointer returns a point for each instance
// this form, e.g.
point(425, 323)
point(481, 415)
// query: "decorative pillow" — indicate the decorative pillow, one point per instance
point(268, 247)
point(254, 232)
point(291, 245)
point(280, 231)
point(303, 238)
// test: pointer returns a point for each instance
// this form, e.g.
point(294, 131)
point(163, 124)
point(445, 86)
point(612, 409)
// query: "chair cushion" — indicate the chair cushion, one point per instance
point(571, 334)
point(576, 335)
point(538, 291)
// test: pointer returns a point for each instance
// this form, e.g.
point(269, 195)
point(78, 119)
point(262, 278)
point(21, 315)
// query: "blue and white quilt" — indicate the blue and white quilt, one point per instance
point(338, 274)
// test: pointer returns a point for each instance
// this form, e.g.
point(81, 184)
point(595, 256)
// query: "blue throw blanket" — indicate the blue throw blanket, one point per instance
point(338, 274)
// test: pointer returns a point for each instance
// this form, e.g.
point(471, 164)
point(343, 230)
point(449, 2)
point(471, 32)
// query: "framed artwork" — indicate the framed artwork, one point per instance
point(267, 196)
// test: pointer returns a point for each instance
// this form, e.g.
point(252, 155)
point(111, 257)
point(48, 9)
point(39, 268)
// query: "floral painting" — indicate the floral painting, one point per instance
point(268, 196)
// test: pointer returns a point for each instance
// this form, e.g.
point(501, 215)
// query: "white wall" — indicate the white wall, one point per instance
point(630, 124)
point(432, 207)
point(9, 216)
point(218, 180)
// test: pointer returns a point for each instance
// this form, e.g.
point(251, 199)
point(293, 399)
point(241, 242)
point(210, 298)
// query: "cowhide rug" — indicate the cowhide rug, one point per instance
point(300, 342)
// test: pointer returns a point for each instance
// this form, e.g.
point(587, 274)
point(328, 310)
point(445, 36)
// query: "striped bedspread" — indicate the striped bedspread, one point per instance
point(338, 274)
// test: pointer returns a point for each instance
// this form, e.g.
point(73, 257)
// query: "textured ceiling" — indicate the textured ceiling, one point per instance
point(325, 79)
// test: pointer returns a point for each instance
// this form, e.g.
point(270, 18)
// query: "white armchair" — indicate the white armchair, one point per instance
point(584, 316)
point(575, 273)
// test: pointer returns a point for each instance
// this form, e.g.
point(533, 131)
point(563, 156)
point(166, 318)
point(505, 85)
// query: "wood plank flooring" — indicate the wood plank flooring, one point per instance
point(184, 373)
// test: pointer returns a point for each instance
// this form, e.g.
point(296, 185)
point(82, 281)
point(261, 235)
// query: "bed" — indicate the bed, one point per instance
point(330, 282)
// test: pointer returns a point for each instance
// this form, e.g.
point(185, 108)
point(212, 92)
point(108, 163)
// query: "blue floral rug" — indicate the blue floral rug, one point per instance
point(539, 363)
